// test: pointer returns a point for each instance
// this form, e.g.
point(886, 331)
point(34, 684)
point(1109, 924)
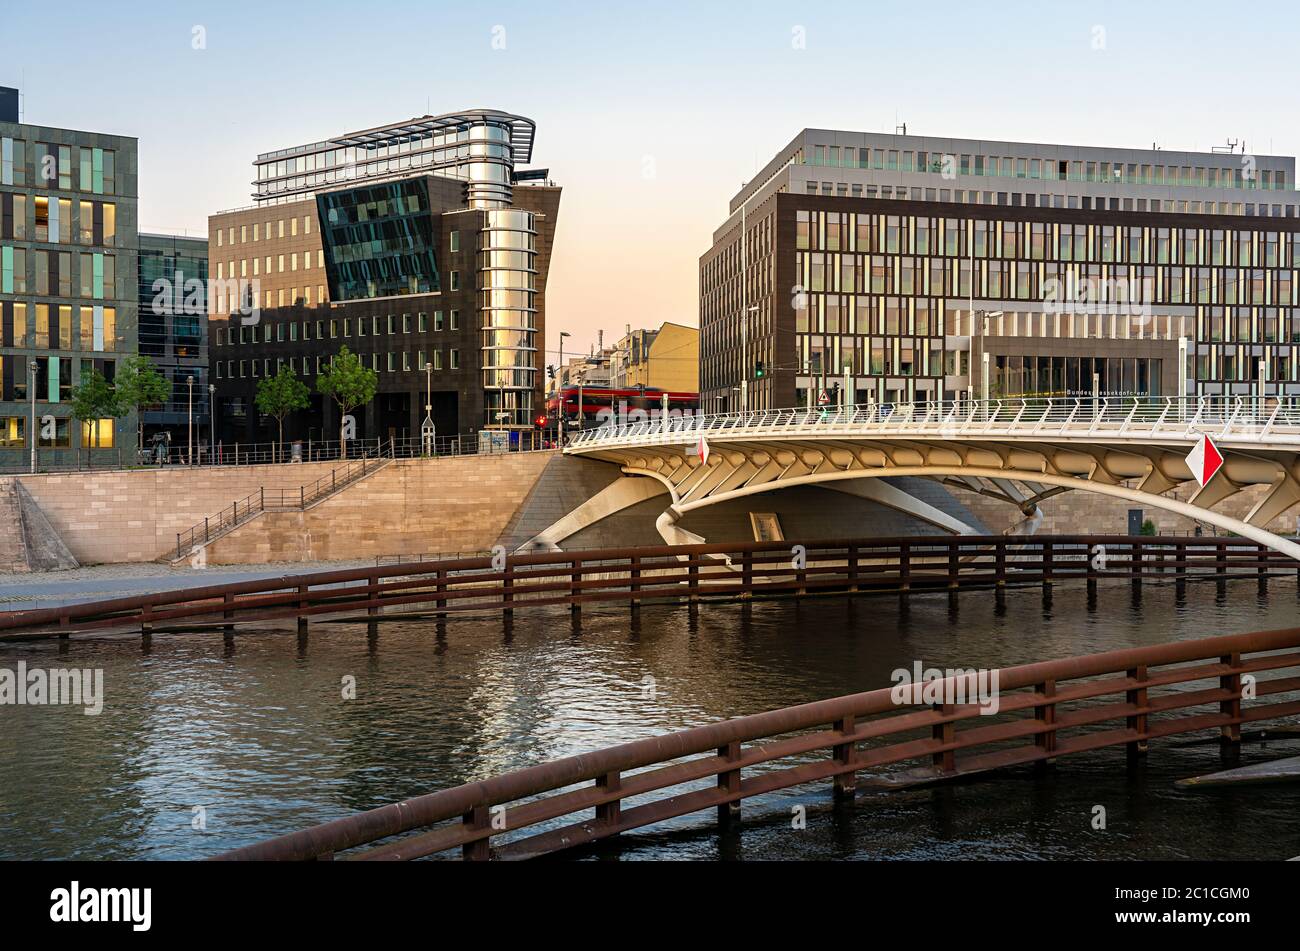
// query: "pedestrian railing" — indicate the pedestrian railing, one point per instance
point(1045, 711)
point(1268, 420)
point(501, 583)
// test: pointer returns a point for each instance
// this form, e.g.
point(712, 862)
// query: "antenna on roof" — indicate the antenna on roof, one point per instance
point(1229, 148)
point(900, 129)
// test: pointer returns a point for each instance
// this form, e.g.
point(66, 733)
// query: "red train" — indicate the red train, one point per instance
point(602, 403)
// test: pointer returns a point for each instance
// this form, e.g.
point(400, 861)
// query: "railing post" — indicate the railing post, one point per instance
point(944, 760)
point(904, 566)
point(853, 568)
point(479, 850)
point(845, 754)
point(954, 564)
point(228, 613)
point(179, 551)
point(1045, 740)
point(575, 580)
point(372, 592)
point(441, 578)
point(1180, 556)
point(507, 589)
point(206, 536)
point(302, 607)
point(1231, 732)
point(1138, 721)
point(1048, 554)
point(1000, 561)
point(693, 578)
point(1137, 559)
point(634, 579)
point(1221, 559)
point(729, 782)
point(608, 813)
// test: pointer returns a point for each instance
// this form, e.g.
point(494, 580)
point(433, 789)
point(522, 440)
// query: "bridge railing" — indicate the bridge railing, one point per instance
point(1043, 711)
point(1271, 418)
point(636, 575)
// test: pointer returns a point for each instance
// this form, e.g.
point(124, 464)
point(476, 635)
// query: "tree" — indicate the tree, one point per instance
point(94, 399)
point(281, 395)
point(139, 385)
point(350, 384)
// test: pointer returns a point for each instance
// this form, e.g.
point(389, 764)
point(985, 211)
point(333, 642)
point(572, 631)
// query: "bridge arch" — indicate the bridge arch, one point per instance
point(680, 507)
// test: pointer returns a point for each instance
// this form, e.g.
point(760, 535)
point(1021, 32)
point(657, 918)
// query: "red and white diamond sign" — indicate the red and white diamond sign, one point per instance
point(1204, 460)
point(702, 450)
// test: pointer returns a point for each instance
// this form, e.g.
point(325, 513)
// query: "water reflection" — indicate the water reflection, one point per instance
point(256, 731)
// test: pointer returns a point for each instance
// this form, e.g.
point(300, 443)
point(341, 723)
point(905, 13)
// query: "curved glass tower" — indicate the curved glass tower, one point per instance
point(507, 282)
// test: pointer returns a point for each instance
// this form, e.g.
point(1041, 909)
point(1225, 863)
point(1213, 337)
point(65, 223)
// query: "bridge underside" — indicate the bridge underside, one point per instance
point(1021, 472)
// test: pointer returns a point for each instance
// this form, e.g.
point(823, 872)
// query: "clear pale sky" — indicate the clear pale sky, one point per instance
point(650, 114)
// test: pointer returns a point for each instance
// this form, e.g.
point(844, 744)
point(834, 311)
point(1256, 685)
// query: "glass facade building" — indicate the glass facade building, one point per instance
point(418, 244)
point(903, 269)
point(379, 240)
point(173, 334)
point(68, 302)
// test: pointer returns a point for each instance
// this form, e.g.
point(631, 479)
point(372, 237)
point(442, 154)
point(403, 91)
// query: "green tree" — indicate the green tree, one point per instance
point(139, 385)
point(94, 399)
point(281, 395)
point(349, 383)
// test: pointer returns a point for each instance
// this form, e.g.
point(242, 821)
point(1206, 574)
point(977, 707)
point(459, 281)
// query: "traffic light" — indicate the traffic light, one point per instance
point(550, 371)
point(759, 370)
point(541, 422)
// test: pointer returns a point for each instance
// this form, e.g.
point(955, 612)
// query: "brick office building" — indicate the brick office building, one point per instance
point(417, 243)
point(1160, 272)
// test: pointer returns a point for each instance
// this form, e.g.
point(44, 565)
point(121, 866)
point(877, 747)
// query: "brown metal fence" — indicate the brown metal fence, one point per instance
point(636, 575)
point(1046, 710)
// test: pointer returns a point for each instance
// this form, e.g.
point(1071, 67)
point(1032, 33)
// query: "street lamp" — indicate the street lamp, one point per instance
point(32, 367)
point(559, 391)
point(212, 419)
point(426, 428)
point(189, 381)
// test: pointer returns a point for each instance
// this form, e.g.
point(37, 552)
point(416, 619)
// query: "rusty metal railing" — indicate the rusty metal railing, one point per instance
point(636, 575)
point(1046, 710)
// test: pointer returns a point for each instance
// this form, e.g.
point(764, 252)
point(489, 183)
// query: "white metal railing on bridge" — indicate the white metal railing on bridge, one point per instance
point(1268, 420)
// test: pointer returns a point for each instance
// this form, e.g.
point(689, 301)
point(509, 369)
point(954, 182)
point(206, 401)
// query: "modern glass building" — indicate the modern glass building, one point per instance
point(904, 268)
point(173, 332)
point(68, 296)
point(425, 226)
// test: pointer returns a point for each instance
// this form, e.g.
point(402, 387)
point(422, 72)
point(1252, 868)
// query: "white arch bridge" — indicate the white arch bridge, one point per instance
point(1019, 451)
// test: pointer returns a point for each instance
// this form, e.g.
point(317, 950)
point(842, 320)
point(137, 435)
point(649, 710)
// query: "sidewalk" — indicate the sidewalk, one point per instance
point(49, 589)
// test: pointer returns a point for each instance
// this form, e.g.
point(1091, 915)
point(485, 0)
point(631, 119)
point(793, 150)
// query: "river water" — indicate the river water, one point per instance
point(203, 746)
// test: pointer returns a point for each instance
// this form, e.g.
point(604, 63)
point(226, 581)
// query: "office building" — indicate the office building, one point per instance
point(417, 243)
point(68, 296)
point(173, 333)
point(919, 268)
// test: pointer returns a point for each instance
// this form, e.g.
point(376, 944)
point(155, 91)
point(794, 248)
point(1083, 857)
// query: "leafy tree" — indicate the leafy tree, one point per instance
point(349, 383)
point(281, 395)
point(94, 399)
point(139, 385)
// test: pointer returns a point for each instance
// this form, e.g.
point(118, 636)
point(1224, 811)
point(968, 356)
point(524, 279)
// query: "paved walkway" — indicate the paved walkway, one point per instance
point(98, 582)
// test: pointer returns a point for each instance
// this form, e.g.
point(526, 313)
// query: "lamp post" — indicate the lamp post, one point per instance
point(189, 382)
point(426, 430)
point(559, 391)
point(32, 367)
point(212, 419)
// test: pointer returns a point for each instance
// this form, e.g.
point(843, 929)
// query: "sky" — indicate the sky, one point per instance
point(651, 115)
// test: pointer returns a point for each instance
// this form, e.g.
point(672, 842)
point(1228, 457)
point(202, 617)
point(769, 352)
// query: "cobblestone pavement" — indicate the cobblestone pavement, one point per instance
point(52, 588)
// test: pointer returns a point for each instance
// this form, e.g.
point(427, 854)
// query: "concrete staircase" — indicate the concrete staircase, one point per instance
point(13, 544)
